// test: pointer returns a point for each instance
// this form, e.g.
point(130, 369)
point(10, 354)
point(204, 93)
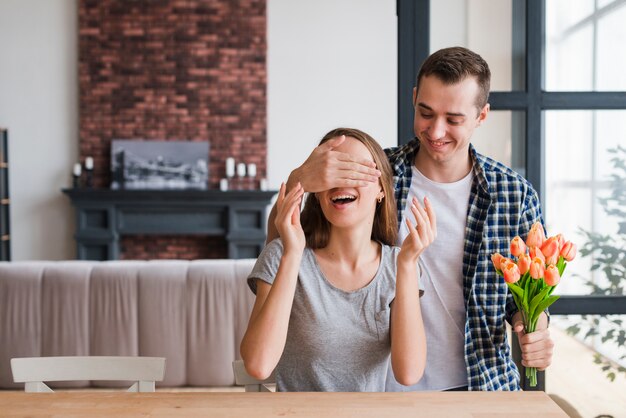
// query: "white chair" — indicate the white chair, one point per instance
point(34, 371)
point(252, 385)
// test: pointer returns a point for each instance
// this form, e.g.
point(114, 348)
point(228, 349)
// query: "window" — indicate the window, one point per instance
point(557, 105)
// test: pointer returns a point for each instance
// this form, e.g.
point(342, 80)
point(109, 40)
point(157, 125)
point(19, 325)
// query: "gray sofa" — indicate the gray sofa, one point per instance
point(194, 313)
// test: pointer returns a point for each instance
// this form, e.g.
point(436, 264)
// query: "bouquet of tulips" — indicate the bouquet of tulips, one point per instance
point(532, 273)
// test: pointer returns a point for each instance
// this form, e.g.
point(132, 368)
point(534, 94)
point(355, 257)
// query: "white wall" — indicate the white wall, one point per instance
point(331, 63)
point(38, 105)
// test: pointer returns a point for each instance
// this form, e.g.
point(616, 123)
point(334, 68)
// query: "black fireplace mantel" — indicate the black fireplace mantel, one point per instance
point(103, 215)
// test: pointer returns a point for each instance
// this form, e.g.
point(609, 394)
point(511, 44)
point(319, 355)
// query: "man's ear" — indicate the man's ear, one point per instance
point(483, 114)
point(414, 96)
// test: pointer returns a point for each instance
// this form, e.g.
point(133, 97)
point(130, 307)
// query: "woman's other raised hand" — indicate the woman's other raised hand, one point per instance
point(288, 218)
point(422, 234)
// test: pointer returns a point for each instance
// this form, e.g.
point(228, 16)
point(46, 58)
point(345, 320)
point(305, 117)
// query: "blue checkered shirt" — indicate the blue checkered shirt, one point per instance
point(502, 205)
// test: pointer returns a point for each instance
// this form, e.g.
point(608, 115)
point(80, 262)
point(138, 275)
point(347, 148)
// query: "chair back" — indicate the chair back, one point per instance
point(34, 371)
point(252, 385)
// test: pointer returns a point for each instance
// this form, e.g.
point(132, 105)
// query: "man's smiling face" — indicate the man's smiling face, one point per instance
point(445, 118)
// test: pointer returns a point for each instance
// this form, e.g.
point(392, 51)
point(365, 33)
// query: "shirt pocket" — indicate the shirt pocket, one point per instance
point(382, 324)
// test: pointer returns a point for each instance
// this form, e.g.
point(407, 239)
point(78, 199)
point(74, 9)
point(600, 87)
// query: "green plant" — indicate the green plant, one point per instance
point(608, 254)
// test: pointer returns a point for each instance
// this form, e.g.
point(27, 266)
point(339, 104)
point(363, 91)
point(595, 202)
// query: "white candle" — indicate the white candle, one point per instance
point(241, 170)
point(77, 169)
point(224, 185)
point(252, 170)
point(230, 167)
point(264, 185)
point(88, 163)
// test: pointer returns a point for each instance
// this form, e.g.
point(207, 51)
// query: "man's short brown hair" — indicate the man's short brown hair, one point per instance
point(453, 65)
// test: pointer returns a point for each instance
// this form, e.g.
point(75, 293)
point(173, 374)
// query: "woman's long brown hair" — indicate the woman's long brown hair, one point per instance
point(385, 227)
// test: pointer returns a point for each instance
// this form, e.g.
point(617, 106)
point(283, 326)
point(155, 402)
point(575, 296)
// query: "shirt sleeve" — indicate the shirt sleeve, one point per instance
point(266, 266)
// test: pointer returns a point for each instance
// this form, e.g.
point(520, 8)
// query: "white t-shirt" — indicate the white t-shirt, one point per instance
point(443, 303)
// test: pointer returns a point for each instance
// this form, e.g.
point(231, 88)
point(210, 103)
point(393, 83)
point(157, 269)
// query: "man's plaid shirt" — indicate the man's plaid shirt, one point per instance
point(502, 205)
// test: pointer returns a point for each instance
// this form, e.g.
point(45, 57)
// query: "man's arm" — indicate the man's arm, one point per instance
point(326, 169)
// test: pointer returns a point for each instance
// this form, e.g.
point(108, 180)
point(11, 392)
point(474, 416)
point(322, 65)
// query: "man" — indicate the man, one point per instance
point(480, 204)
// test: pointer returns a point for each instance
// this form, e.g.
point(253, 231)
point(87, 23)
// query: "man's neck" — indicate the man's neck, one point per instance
point(445, 171)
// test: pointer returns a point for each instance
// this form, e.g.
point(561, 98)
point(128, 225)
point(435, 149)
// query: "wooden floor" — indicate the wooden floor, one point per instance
point(574, 380)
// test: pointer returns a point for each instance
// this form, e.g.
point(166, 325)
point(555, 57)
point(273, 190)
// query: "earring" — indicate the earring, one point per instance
point(380, 198)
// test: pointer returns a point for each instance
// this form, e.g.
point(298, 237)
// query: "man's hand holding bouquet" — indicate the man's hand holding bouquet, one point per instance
point(532, 273)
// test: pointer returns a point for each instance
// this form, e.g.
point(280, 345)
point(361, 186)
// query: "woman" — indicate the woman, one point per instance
point(334, 299)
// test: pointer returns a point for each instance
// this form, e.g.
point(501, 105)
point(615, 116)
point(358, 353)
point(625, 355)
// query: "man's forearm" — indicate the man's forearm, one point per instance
point(293, 179)
point(272, 231)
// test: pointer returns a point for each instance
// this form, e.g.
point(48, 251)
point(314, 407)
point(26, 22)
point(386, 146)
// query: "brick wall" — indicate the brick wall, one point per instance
point(146, 247)
point(173, 70)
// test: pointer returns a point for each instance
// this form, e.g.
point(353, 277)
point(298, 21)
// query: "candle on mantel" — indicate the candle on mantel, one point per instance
point(88, 163)
point(76, 171)
point(252, 170)
point(230, 167)
point(241, 170)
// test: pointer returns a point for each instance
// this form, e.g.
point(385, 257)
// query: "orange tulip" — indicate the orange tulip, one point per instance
point(560, 240)
point(535, 252)
point(536, 268)
point(517, 247)
point(504, 261)
point(550, 249)
point(536, 235)
point(568, 252)
point(552, 276)
point(523, 263)
point(496, 259)
point(511, 272)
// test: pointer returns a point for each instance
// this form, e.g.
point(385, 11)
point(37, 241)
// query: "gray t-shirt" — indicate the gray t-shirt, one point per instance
point(337, 341)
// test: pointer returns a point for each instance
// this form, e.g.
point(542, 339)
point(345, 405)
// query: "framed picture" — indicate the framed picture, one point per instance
point(138, 164)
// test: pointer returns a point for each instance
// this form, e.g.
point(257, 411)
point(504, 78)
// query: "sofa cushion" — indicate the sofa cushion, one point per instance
point(193, 313)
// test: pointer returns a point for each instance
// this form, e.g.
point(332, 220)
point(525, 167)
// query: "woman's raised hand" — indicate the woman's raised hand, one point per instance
point(288, 218)
point(422, 234)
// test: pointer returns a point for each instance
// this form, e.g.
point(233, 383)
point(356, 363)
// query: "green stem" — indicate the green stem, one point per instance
point(533, 376)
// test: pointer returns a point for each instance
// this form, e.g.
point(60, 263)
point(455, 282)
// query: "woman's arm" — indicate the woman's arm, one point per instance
point(264, 340)
point(408, 338)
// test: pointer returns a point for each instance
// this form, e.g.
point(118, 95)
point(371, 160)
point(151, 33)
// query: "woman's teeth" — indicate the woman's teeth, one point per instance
point(346, 198)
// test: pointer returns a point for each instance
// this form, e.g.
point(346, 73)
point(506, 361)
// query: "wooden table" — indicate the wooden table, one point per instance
point(261, 405)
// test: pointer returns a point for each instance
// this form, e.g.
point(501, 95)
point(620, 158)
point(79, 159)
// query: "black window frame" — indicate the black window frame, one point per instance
point(532, 99)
